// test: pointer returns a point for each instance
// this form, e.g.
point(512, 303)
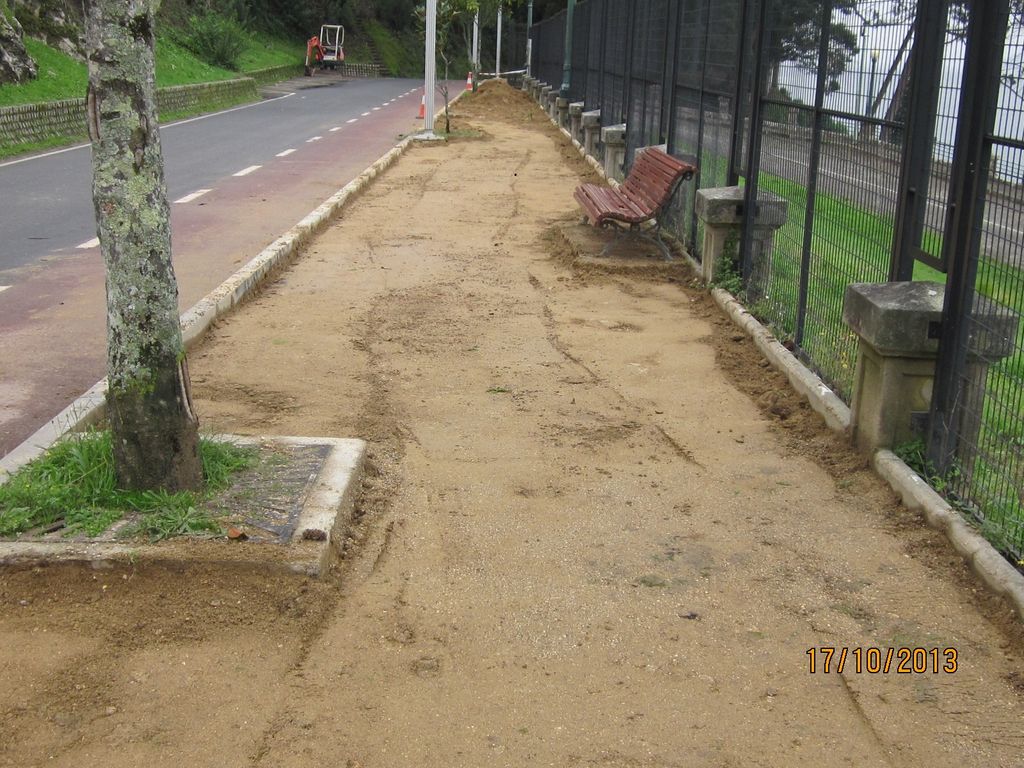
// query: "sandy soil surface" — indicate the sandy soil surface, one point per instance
point(597, 529)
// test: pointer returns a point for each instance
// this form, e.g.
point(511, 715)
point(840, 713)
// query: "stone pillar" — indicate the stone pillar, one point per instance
point(562, 111)
point(591, 123)
point(575, 120)
point(898, 327)
point(542, 94)
point(527, 83)
point(720, 210)
point(614, 139)
point(550, 106)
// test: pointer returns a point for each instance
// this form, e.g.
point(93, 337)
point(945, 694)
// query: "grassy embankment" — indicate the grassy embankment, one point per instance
point(63, 77)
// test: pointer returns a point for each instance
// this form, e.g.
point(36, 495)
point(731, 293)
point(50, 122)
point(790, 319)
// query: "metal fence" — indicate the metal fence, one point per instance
point(893, 130)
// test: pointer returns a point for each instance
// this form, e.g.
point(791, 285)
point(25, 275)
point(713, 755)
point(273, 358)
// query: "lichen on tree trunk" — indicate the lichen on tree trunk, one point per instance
point(155, 430)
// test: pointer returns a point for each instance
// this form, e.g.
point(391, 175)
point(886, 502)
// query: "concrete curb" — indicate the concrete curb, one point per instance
point(326, 513)
point(991, 567)
point(90, 408)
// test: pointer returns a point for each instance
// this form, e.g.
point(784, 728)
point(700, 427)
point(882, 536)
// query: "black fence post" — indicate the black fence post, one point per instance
point(668, 76)
point(743, 59)
point(760, 56)
point(979, 96)
point(919, 139)
point(812, 168)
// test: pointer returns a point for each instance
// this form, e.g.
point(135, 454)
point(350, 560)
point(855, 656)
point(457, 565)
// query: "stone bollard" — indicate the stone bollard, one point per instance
point(542, 94)
point(562, 112)
point(575, 121)
point(550, 105)
point(527, 83)
point(720, 210)
point(614, 139)
point(591, 124)
point(898, 326)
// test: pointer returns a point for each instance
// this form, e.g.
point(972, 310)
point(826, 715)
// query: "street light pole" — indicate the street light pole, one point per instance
point(475, 53)
point(869, 104)
point(429, 68)
point(567, 59)
point(497, 55)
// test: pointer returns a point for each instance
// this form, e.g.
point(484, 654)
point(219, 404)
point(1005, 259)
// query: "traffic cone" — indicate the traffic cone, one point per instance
point(469, 82)
point(423, 108)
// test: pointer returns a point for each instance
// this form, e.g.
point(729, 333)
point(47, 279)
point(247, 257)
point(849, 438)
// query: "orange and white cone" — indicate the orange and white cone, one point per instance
point(423, 108)
point(469, 82)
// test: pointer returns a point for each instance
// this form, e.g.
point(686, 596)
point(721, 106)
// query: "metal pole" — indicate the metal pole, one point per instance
point(429, 68)
point(529, 38)
point(813, 163)
point(497, 55)
point(961, 243)
point(869, 103)
point(567, 58)
point(918, 139)
point(475, 53)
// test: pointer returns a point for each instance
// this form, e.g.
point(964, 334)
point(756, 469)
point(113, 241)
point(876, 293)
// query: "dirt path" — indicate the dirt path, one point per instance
point(597, 530)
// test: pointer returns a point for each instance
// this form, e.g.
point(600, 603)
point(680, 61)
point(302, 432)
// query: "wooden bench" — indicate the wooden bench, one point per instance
point(646, 192)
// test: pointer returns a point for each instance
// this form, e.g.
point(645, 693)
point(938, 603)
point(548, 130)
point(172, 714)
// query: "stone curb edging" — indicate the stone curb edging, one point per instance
point(995, 572)
point(991, 567)
point(90, 408)
point(822, 399)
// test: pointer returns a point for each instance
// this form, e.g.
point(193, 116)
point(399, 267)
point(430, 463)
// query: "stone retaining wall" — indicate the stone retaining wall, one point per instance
point(59, 119)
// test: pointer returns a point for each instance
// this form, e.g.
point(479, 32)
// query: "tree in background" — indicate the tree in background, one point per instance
point(153, 425)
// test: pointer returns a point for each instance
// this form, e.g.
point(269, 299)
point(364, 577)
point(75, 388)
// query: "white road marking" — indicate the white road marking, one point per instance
point(335, 128)
point(285, 153)
point(365, 114)
point(247, 171)
point(193, 196)
point(4, 288)
point(89, 244)
point(352, 120)
point(315, 138)
point(376, 109)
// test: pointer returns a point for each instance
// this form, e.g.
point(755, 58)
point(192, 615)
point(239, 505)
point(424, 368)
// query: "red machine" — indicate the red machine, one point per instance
point(324, 51)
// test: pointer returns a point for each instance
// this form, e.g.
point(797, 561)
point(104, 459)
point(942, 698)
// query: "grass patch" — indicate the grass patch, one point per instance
point(402, 55)
point(60, 77)
point(176, 65)
point(74, 484)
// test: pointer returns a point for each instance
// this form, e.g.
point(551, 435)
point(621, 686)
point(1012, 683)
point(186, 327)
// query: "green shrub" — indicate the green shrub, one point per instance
point(216, 39)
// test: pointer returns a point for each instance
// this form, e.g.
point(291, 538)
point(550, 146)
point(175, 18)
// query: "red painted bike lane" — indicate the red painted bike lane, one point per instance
point(52, 327)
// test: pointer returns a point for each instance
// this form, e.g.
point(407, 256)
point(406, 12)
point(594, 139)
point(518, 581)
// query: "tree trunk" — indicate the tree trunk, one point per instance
point(155, 430)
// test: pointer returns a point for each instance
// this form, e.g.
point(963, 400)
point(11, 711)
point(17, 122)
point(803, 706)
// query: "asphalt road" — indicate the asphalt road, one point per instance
point(237, 180)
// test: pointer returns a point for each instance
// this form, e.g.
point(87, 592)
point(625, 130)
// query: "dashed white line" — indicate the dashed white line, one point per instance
point(376, 109)
point(315, 138)
point(335, 128)
point(352, 120)
point(285, 153)
point(89, 244)
point(193, 196)
point(365, 114)
point(4, 288)
point(247, 171)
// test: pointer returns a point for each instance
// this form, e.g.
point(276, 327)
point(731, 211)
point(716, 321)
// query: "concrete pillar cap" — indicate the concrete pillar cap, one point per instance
point(614, 134)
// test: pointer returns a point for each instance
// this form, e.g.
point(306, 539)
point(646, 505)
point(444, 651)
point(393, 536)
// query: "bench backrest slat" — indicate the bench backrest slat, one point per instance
point(653, 178)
